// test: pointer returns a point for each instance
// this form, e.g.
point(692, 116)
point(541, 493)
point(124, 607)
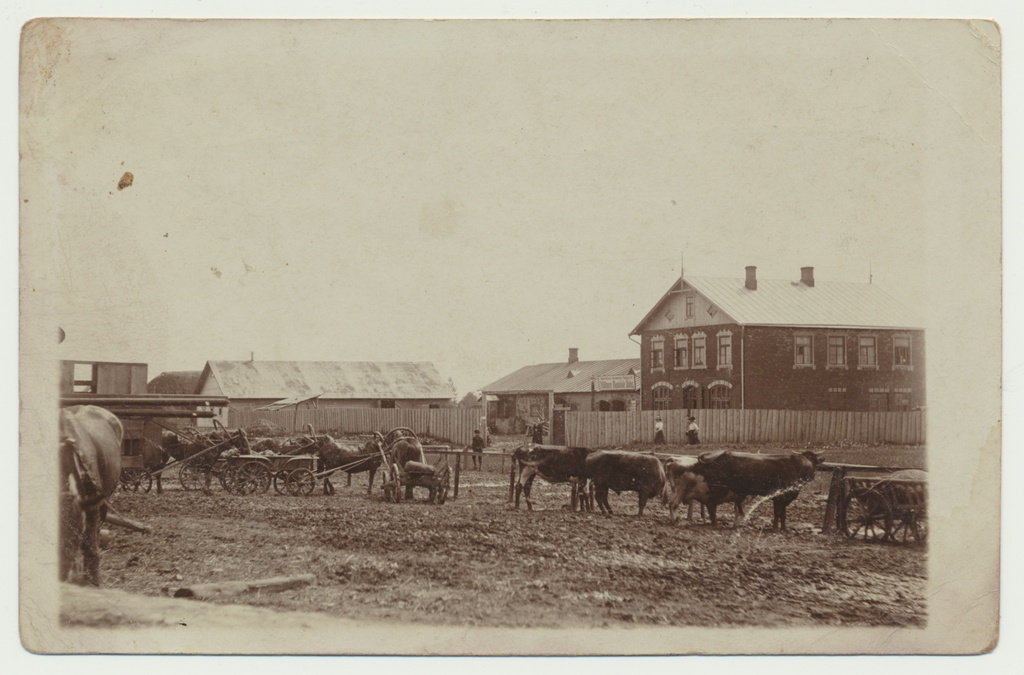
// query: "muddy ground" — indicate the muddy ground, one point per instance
point(477, 561)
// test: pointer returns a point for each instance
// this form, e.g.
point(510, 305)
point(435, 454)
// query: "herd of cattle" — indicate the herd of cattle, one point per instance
point(711, 479)
point(90, 460)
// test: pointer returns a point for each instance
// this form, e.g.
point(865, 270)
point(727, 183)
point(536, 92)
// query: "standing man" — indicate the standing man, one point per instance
point(693, 432)
point(478, 450)
point(659, 431)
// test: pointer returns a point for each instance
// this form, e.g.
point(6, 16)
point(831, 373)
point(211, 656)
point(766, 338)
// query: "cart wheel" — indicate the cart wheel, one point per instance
point(280, 481)
point(396, 477)
point(228, 478)
point(442, 490)
point(300, 482)
point(909, 522)
point(135, 480)
point(868, 516)
point(253, 477)
point(191, 477)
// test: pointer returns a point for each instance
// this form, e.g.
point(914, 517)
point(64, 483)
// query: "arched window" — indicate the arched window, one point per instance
point(618, 405)
point(719, 395)
point(691, 397)
point(662, 397)
point(604, 406)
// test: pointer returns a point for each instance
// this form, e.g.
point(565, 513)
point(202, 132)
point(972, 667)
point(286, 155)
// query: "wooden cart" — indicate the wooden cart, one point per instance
point(886, 509)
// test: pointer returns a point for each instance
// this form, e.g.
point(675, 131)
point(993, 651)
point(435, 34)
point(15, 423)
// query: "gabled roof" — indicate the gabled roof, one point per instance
point(792, 303)
point(330, 379)
point(555, 377)
point(175, 382)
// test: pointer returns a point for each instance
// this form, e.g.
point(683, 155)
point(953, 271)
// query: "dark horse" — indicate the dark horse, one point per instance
point(206, 448)
point(354, 459)
point(90, 468)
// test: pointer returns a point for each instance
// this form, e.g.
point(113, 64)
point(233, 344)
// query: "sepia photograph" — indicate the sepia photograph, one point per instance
point(510, 337)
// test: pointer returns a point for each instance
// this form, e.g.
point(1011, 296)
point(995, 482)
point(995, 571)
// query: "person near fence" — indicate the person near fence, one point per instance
point(659, 431)
point(478, 450)
point(693, 432)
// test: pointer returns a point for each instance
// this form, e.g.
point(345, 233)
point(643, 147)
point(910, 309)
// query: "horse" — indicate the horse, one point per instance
point(356, 460)
point(220, 439)
point(404, 449)
point(90, 469)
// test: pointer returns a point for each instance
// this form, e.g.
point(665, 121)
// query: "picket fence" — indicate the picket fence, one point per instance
point(451, 425)
point(826, 427)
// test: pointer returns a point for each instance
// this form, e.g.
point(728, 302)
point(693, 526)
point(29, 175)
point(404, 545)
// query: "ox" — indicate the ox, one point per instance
point(778, 476)
point(624, 472)
point(555, 464)
point(90, 468)
point(683, 485)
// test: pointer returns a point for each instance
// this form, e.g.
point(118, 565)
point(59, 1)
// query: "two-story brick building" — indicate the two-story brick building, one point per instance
point(771, 344)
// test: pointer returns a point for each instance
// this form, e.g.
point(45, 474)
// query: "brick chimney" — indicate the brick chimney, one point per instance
point(751, 278)
point(574, 354)
point(807, 276)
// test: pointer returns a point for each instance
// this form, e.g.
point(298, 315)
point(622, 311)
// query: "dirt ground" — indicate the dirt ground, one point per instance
point(477, 561)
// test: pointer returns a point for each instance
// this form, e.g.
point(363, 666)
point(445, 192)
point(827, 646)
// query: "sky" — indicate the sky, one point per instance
point(484, 196)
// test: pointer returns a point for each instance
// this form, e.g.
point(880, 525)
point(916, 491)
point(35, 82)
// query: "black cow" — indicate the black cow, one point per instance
point(555, 464)
point(683, 485)
point(624, 472)
point(778, 476)
point(90, 469)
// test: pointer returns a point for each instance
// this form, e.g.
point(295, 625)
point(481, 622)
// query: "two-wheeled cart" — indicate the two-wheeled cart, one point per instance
point(399, 475)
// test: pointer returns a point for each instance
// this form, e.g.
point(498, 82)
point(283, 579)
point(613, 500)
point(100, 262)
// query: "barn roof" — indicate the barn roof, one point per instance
point(788, 303)
point(561, 378)
point(175, 382)
point(330, 379)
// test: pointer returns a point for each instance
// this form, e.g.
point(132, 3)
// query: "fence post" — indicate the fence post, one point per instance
point(458, 470)
point(833, 506)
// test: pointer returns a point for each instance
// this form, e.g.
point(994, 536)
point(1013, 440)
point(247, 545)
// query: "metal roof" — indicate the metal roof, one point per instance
point(328, 379)
point(788, 303)
point(555, 376)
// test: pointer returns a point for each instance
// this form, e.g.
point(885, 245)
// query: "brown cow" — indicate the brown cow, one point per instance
point(778, 476)
point(90, 469)
point(683, 485)
point(624, 471)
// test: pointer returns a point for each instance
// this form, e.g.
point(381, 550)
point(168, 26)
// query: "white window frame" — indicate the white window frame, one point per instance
point(658, 345)
point(861, 365)
point(828, 353)
point(675, 352)
point(810, 351)
point(724, 334)
point(909, 365)
point(693, 351)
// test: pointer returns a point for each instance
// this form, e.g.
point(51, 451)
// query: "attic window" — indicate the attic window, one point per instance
point(572, 373)
point(689, 306)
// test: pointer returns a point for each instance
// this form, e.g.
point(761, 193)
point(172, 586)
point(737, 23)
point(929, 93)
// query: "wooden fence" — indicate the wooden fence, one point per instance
point(602, 429)
point(454, 425)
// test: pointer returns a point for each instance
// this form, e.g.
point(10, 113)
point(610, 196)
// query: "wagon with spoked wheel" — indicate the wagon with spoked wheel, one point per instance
point(134, 475)
point(198, 455)
point(890, 508)
point(254, 474)
point(405, 467)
